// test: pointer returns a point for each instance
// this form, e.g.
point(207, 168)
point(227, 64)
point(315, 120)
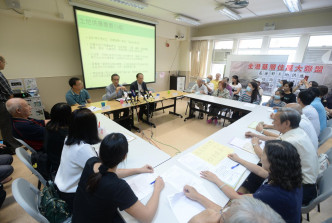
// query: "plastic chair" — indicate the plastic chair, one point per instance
point(103, 98)
point(28, 196)
point(26, 145)
point(324, 192)
point(324, 135)
point(329, 154)
point(25, 157)
point(329, 123)
point(328, 220)
point(190, 86)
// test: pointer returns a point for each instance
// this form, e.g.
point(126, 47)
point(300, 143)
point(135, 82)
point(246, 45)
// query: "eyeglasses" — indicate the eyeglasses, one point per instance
point(4, 62)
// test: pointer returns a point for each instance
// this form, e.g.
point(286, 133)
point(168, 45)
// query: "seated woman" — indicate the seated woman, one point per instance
point(282, 190)
point(77, 149)
point(221, 92)
point(101, 192)
point(275, 100)
point(250, 95)
point(289, 96)
point(55, 134)
point(236, 87)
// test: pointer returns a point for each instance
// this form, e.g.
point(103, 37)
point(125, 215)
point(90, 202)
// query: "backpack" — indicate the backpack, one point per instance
point(51, 206)
point(40, 162)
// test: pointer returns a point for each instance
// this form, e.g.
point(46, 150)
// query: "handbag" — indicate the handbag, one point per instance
point(51, 206)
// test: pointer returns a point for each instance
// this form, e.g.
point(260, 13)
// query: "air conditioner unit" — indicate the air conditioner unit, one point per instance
point(220, 56)
point(318, 56)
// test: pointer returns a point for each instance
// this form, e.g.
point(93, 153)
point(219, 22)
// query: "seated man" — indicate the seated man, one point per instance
point(199, 88)
point(28, 129)
point(139, 86)
point(287, 121)
point(320, 92)
point(209, 85)
point(114, 91)
point(304, 99)
point(77, 95)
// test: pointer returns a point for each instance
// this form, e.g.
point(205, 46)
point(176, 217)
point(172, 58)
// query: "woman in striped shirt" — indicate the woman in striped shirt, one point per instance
point(250, 95)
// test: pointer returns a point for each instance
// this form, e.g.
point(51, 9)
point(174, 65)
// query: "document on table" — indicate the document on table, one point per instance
point(229, 172)
point(245, 144)
point(142, 184)
point(178, 177)
point(184, 208)
point(253, 125)
point(103, 132)
point(93, 108)
point(249, 105)
point(212, 152)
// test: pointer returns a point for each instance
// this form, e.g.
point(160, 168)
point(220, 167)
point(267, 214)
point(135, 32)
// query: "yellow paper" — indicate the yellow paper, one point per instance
point(212, 152)
point(253, 125)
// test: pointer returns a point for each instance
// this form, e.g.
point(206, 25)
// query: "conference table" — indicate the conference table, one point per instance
point(255, 113)
point(132, 103)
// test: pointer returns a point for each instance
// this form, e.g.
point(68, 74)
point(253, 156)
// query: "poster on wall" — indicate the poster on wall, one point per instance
point(271, 73)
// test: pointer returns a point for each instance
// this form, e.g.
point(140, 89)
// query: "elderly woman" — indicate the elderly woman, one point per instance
point(282, 189)
point(221, 92)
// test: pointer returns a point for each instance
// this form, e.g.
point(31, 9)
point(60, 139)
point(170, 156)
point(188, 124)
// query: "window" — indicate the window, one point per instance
point(320, 41)
point(250, 43)
point(284, 42)
point(218, 45)
point(290, 53)
point(248, 52)
point(217, 68)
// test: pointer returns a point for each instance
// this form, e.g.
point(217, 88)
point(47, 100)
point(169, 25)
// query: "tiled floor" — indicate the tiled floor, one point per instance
point(171, 135)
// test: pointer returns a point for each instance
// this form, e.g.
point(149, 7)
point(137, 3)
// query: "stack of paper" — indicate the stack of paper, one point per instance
point(142, 184)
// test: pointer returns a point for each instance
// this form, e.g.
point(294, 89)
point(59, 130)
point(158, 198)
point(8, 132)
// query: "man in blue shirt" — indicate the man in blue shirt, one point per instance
point(320, 92)
point(77, 95)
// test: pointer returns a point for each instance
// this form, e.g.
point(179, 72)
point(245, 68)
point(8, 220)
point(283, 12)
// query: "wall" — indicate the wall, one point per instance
point(309, 19)
point(48, 51)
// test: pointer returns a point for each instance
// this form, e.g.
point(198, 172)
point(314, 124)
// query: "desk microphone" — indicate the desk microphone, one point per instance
point(150, 93)
point(137, 94)
point(130, 97)
point(143, 94)
point(133, 94)
point(147, 94)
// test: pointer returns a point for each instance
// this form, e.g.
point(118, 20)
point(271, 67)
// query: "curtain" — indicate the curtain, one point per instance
point(199, 56)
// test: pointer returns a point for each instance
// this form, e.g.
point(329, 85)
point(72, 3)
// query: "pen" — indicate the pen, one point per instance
point(153, 182)
point(235, 166)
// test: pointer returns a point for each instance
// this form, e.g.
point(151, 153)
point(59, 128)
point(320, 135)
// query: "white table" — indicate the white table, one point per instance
point(223, 136)
point(140, 151)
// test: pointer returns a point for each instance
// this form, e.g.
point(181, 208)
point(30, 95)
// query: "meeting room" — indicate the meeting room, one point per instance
point(165, 111)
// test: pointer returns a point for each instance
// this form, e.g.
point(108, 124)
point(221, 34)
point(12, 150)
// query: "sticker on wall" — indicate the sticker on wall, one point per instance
point(162, 75)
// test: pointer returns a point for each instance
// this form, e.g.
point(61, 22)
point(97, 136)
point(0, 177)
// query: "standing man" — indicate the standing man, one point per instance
point(77, 95)
point(114, 91)
point(216, 81)
point(138, 86)
point(5, 123)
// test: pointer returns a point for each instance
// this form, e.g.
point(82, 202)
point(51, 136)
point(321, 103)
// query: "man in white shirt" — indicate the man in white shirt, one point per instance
point(305, 125)
point(304, 99)
point(199, 88)
point(287, 121)
point(209, 85)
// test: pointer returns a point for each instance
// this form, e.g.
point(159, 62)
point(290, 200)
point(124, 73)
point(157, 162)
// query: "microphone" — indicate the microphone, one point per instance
point(147, 94)
point(143, 93)
point(133, 94)
point(150, 92)
point(137, 93)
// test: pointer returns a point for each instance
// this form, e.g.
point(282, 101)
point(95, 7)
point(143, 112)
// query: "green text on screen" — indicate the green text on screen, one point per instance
point(113, 45)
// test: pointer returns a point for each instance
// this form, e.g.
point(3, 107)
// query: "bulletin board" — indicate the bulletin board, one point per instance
point(272, 69)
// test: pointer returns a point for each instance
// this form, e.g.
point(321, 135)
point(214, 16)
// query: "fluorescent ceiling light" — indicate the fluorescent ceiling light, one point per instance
point(226, 11)
point(293, 5)
point(132, 3)
point(186, 19)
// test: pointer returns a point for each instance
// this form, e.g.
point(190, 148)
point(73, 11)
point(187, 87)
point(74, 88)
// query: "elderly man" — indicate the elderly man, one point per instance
point(29, 130)
point(77, 95)
point(209, 85)
point(216, 81)
point(305, 124)
point(114, 91)
point(199, 88)
point(5, 124)
point(287, 121)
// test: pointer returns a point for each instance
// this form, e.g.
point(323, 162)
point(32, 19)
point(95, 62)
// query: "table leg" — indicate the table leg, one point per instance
point(174, 110)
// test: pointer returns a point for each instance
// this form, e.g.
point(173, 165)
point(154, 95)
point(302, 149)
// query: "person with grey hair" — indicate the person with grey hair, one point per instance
point(305, 124)
point(30, 130)
point(287, 122)
point(199, 88)
point(5, 125)
point(245, 210)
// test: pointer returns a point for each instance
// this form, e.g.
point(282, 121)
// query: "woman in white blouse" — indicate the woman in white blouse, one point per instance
point(236, 87)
